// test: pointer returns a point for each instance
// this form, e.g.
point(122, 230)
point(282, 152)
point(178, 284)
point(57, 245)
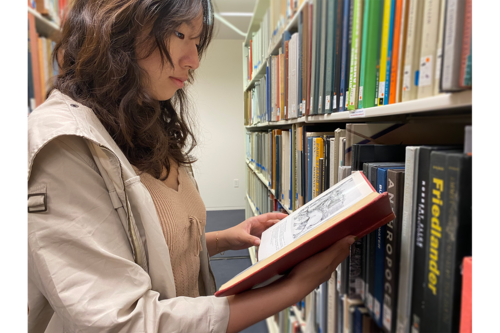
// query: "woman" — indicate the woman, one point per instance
point(116, 226)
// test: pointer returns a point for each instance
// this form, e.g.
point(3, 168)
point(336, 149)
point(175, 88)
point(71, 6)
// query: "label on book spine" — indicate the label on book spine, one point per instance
point(334, 106)
point(425, 77)
point(327, 102)
point(407, 78)
point(381, 89)
point(387, 317)
point(439, 58)
point(352, 95)
point(361, 93)
point(369, 298)
point(376, 309)
point(341, 100)
point(319, 104)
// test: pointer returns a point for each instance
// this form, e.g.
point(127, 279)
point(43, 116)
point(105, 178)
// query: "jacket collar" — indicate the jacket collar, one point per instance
point(72, 118)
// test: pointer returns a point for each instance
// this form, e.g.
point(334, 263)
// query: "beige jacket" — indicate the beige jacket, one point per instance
point(97, 258)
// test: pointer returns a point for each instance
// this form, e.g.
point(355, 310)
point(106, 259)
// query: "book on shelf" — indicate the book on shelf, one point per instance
point(466, 305)
point(312, 228)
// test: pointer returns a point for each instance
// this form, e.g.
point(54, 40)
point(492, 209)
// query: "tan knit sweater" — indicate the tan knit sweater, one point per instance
point(182, 217)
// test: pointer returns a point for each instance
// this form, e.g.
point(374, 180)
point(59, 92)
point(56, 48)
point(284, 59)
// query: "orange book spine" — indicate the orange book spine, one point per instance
point(466, 310)
point(395, 51)
point(35, 62)
point(41, 64)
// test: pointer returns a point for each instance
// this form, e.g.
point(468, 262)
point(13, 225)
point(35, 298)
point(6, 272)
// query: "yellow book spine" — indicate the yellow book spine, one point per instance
point(318, 144)
point(383, 51)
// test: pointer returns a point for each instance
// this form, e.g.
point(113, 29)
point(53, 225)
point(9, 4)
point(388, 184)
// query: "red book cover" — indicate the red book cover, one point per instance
point(466, 311)
point(358, 220)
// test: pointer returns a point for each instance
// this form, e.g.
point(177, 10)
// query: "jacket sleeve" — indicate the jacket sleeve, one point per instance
point(81, 261)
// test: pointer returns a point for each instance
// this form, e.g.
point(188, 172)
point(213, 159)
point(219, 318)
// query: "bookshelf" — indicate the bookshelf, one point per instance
point(434, 108)
point(46, 27)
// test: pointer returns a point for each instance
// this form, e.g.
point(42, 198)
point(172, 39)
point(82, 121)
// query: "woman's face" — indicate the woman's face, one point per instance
point(183, 48)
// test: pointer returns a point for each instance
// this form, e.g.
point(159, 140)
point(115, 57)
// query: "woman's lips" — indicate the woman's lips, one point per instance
point(178, 82)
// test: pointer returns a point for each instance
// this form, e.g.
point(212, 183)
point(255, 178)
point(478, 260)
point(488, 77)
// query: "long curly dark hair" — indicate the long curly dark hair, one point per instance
point(98, 68)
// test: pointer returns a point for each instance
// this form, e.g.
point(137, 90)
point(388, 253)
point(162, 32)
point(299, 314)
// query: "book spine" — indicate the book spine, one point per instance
point(322, 57)
point(309, 169)
point(436, 215)
point(316, 38)
point(439, 52)
point(348, 58)
point(309, 58)
point(384, 46)
point(390, 45)
point(412, 52)
point(293, 164)
point(336, 75)
point(457, 240)
point(402, 49)
point(380, 256)
point(345, 37)
point(31, 81)
point(467, 311)
point(465, 67)
point(395, 187)
point(355, 269)
point(421, 226)
point(452, 48)
point(398, 14)
point(428, 49)
point(407, 241)
point(330, 55)
point(299, 63)
point(357, 26)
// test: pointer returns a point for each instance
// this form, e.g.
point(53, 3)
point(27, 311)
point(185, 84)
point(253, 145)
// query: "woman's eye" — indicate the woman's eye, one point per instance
point(178, 34)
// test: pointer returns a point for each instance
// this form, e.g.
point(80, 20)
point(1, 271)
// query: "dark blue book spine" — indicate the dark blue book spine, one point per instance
point(309, 168)
point(380, 253)
point(345, 37)
point(389, 53)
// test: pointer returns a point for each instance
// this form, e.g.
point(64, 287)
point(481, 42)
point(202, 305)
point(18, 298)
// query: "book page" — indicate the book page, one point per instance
point(341, 196)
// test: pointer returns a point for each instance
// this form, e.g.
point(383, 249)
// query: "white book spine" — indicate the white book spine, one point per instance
point(412, 51)
point(453, 44)
point(407, 242)
point(428, 51)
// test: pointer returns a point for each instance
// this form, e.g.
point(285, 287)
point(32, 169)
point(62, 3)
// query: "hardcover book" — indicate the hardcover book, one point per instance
point(351, 207)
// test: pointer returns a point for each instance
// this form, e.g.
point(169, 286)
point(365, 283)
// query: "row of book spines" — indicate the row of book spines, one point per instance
point(41, 69)
point(386, 81)
point(53, 9)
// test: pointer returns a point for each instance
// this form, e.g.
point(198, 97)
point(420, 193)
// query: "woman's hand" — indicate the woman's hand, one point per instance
point(248, 232)
point(317, 269)
point(301, 280)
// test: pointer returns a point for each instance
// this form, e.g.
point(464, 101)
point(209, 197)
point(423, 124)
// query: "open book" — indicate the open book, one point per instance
point(350, 207)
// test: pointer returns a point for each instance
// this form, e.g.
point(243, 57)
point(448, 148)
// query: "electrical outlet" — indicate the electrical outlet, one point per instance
point(236, 183)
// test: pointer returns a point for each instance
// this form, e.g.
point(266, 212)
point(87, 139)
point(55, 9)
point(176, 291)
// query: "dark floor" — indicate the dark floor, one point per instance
point(226, 266)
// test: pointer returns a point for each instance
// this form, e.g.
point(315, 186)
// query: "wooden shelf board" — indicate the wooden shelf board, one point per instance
point(45, 27)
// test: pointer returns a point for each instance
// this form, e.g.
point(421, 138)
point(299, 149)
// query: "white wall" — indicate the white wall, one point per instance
point(217, 106)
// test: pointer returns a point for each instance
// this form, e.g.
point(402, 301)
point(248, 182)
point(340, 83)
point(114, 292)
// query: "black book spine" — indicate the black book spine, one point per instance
point(419, 251)
point(436, 215)
point(395, 190)
point(278, 168)
point(457, 239)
